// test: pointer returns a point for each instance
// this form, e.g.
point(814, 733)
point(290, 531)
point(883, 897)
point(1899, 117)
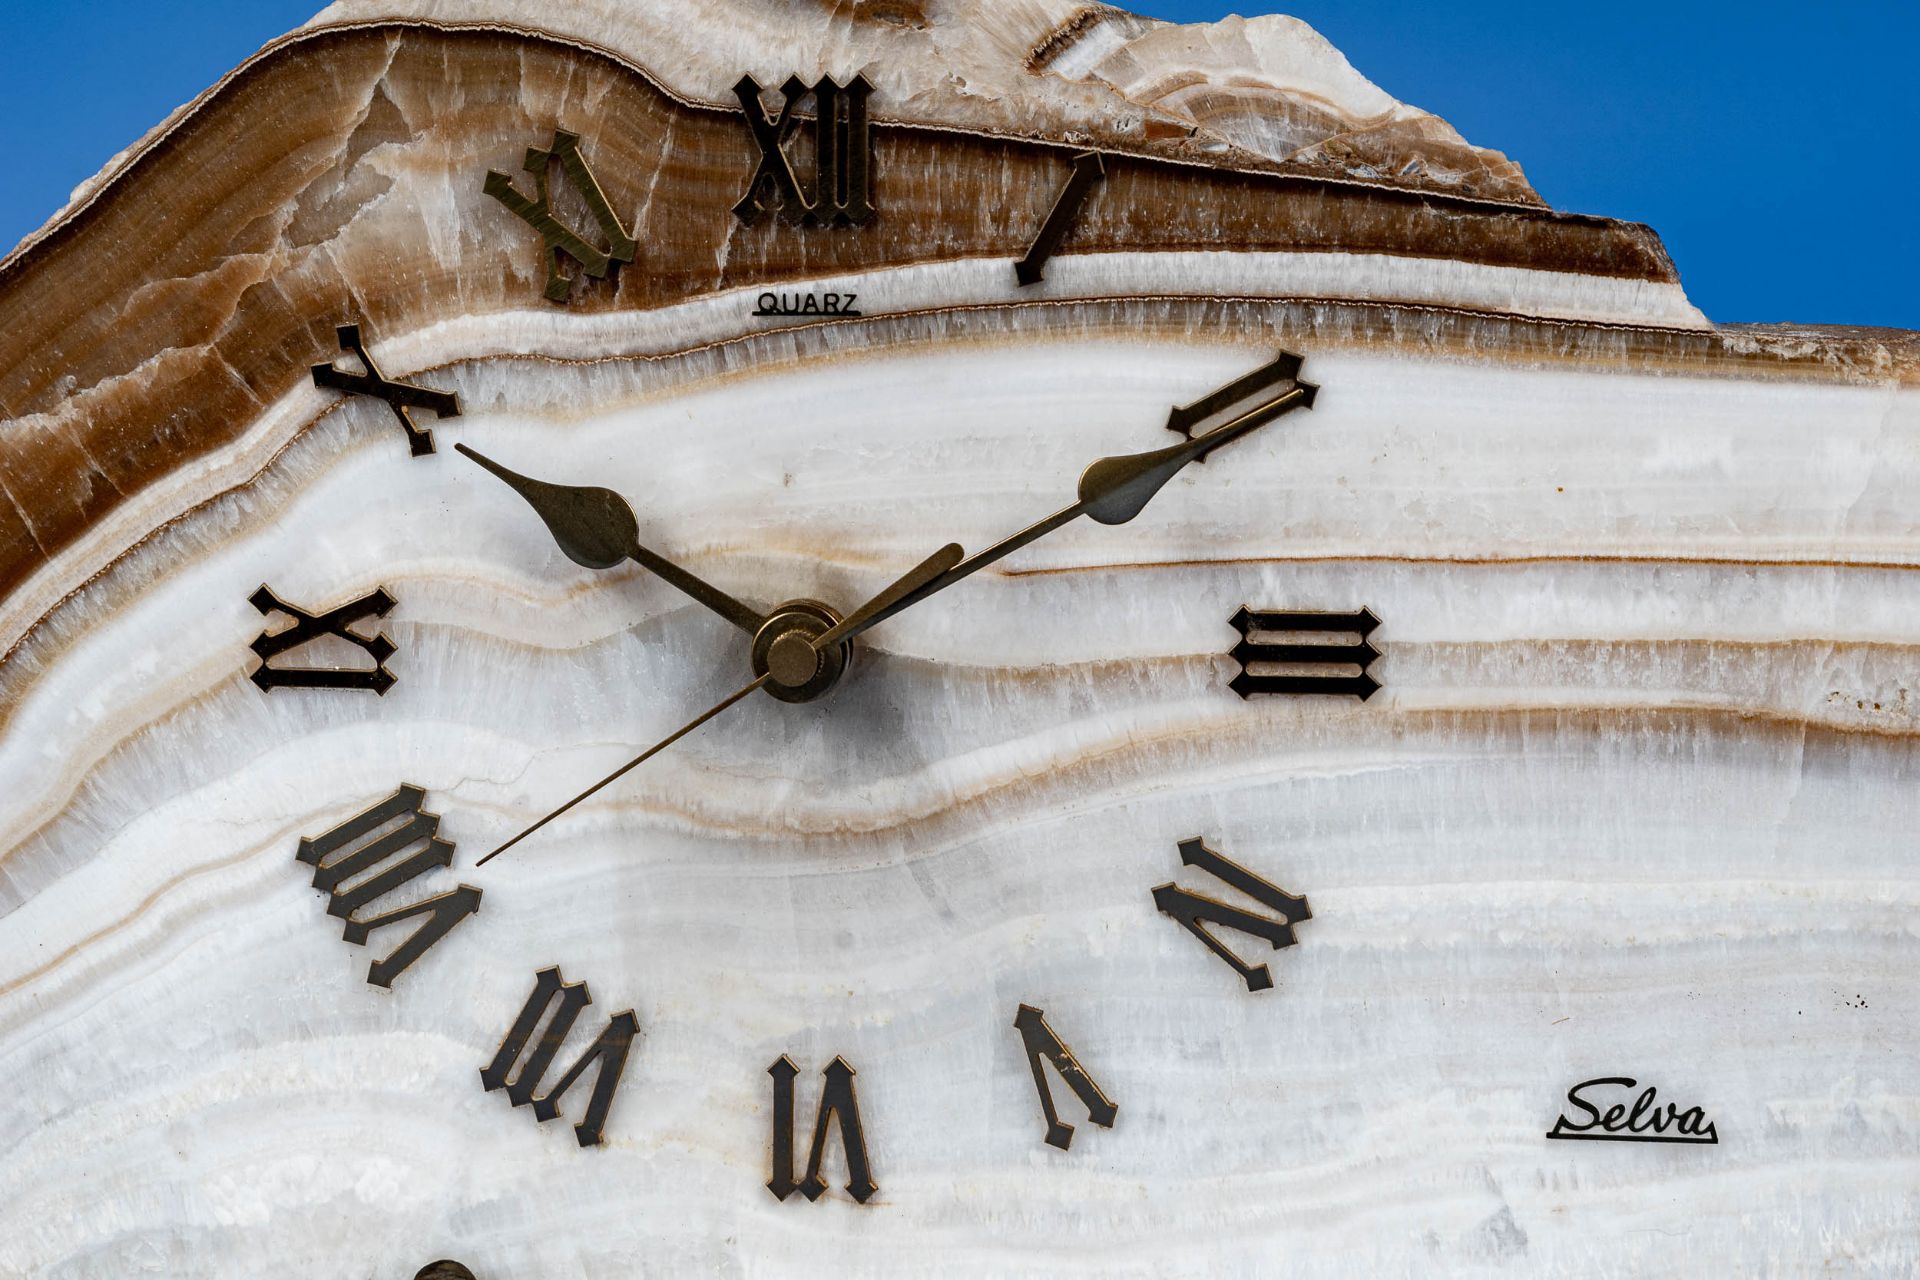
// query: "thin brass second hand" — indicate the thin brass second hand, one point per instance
point(912, 580)
point(638, 760)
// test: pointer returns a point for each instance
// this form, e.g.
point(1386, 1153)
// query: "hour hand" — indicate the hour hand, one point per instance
point(595, 527)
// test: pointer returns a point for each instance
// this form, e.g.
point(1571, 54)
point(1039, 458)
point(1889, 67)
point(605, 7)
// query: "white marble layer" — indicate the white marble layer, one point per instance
point(1638, 798)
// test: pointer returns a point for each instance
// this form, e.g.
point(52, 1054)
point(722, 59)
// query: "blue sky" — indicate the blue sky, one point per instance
point(1770, 144)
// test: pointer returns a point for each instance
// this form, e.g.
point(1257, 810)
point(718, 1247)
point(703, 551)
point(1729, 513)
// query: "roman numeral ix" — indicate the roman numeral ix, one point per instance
point(837, 1101)
point(1196, 911)
point(558, 238)
point(608, 1052)
point(402, 397)
point(363, 859)
point(1039, 1041)
point(842, 153)
point(269, 645)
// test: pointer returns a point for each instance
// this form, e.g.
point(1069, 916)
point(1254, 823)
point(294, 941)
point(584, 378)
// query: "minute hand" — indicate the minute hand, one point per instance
point(1112, 491)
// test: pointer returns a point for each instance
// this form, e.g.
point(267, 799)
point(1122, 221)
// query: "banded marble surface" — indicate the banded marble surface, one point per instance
point(1636, 799)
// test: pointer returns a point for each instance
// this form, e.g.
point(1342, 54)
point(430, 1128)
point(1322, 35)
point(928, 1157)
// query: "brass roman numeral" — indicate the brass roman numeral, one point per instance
point(402, 397)
point(556, 237)
point(309, 626)
point(1039, 1041)
point(1311, 661)
point(837, 1101)
point(1196, 911)
point(840, 191)
point(361, 860)
point(609, 1052)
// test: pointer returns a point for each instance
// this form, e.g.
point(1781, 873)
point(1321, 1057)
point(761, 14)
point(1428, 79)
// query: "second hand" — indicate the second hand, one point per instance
point(859, 620)
point(638, 760)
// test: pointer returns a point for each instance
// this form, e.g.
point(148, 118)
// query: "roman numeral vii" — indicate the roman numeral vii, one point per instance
point(524, 1058)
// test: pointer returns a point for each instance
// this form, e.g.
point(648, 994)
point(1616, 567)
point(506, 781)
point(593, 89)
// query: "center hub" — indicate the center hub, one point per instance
point(783, 649)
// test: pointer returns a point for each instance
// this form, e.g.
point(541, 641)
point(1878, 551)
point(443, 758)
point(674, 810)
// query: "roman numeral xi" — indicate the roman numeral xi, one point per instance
point(555, 236)
point(367, 857)
point(1195, 911)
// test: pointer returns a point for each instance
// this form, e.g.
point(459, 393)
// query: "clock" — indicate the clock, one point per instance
point(967, 641)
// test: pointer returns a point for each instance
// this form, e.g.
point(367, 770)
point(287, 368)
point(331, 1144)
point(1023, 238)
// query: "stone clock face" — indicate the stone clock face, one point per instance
point(1264, 718)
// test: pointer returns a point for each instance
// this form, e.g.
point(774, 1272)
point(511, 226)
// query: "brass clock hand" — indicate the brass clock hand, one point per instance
point(1112, 491)
point(780, 665)
point(595, 527)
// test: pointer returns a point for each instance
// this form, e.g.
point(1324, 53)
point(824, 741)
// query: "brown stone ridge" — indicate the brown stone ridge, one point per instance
point(338, 177)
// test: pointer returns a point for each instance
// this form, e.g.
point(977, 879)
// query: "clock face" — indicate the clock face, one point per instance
point(1075, 754)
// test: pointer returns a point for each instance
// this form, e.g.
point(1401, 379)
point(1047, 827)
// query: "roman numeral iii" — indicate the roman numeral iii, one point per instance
point(1195, 912)
point(1308, 659)
point(533, 1056)
point(364, 858)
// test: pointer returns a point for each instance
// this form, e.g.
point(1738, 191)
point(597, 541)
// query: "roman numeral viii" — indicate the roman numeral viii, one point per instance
point(365, 858)
point(524, 1058)
point(1196, 911)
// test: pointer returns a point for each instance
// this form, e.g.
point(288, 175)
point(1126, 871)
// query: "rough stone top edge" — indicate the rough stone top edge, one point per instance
point(1267, 92)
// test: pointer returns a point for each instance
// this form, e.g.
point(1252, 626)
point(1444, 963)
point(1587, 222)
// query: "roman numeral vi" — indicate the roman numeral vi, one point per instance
point(837, 1101)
